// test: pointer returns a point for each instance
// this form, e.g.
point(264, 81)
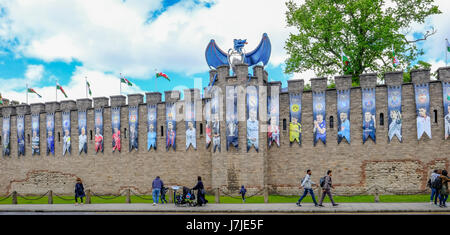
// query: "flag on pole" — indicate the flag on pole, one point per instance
point(31, 90)
point(345, 61)
point(89, 88)
point(124, 80)
point(160, 74)
point(59, 87)
point(1, 98)
point(448, 45)
point(395, 61)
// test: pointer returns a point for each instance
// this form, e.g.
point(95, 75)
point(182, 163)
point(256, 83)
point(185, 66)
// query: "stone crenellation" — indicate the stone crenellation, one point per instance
point(395, 166)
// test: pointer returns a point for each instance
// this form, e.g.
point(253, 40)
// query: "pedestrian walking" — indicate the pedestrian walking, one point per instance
point(307, 184)
point(444, 189)
point(242, 192)
point(434, 191)
point(163, 194)
point(200, 192)
point(79, 191)
point(327, 185)
point(157, 184)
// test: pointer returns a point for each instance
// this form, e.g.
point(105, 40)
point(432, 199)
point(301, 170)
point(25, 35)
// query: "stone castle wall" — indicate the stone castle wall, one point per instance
point(394, 166)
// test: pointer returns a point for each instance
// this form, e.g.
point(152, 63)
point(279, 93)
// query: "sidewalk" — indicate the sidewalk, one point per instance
point(254, 208)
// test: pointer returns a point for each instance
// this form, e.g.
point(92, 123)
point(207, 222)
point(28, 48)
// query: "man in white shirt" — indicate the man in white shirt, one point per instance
point(307, 185)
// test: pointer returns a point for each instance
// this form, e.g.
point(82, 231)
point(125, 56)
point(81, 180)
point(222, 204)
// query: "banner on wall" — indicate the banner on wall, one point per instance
point(231, 117)
point(82, 127)
point(98, 116)
point(208, 123)
point(66, 132)
point(319, 115)
point(343, 113)
point(115, 124)
point(20, 135)
point(252, 118)
point(446, 99)
point(50, 133)
point(6, 132)
point(369, 111)
point(395, 119)
point(171, 126)
point(273, 130)
point(423, 110)
point(215, 119)
point(133, 122)
point(190, 125)
point(35, 132)
point(295, 118)
point(151, 125)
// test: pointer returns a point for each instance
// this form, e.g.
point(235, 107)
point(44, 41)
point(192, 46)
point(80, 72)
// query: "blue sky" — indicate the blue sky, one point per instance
point(39, 43)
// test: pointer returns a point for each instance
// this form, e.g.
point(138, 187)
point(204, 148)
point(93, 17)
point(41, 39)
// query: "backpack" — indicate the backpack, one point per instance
point(322, 182)
point(437, 183)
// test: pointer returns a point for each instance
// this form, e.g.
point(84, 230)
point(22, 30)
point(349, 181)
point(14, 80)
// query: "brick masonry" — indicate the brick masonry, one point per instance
point(394, 166)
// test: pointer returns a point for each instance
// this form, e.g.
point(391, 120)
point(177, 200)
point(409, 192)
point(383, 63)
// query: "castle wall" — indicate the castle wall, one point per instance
point(393, 165)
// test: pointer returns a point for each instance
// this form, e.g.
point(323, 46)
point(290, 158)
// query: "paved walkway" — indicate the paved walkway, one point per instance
point(253, 208)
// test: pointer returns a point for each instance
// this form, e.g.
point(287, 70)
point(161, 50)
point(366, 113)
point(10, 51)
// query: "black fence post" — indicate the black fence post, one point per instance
point(88, 196)
point(50, 197)
point(14, 197)
point(128, 196)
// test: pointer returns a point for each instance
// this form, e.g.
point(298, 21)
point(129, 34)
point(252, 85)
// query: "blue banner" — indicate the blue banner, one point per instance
point(369, 111)
point(231, 116)
point(190, 124)
point(151, 125)
point(215, 119)
point(395, 119)
point(171, 126)
point(319, 116)
point(208, 123)
point(273, 130)
point(50, 133)
point(20, 135)
point(6, 135)
point(446, 99)
point(66, 132)
point(82, 127)
point(343, 113)
point(295, 118)
point(35, 133)
point(115, 124)
point(133, 122)
point(422, 109)
point(98, 115)
point(252, 118)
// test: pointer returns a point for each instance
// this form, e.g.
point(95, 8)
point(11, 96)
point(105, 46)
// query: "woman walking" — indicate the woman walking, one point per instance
point(79, 191)
point(200, 192)
point(444, 188)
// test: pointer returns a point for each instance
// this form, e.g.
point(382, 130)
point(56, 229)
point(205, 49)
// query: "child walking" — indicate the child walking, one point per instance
point(163, 194)
point(79, 191)
point(243, 191)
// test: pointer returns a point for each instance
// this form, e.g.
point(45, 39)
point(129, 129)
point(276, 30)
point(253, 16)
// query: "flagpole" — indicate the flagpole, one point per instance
point(156, 78)
point(27, 93)
point(56, 90)
point(446, 51)
point(85, 79)
point(120, 84)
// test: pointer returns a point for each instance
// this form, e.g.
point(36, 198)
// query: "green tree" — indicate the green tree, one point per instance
point(364, 30)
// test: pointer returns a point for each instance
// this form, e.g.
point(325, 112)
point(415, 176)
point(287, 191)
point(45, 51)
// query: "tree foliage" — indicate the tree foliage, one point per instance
point(365, 30)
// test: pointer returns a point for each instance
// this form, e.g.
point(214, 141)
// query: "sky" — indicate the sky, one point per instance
point(68, 41)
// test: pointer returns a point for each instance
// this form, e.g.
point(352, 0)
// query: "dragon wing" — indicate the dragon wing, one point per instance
point(261, 53)
point(215, 56)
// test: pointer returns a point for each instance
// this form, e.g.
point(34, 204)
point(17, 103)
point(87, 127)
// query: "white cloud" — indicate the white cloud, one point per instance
point(112, 36)
point(34, 73)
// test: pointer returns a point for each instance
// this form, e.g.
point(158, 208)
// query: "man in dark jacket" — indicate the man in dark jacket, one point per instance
point(200, 192)
point(326, 189)
point(157, 185)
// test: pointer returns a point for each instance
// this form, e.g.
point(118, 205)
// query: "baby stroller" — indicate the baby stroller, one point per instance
point(186, 199)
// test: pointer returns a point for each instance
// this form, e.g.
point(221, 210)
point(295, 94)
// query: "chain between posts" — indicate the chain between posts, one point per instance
point(140, 196)
point(8, 196)
point(258, 193)
point(32, 199)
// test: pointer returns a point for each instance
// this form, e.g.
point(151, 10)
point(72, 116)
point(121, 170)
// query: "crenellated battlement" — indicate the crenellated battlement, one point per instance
point(357, 164)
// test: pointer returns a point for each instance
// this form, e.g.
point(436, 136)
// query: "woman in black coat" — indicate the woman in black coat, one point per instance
point(79, 191)
point(200, 192)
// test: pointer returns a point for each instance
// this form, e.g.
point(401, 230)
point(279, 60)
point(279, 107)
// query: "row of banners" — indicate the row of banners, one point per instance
point(213, 125)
